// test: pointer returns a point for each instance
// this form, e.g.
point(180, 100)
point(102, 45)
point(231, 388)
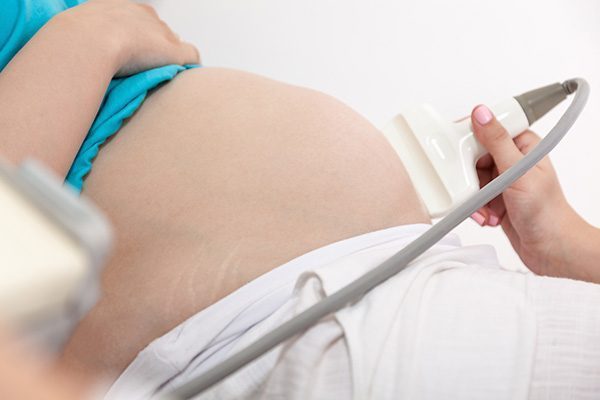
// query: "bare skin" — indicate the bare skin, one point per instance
point(25, 374)
point(220, 177)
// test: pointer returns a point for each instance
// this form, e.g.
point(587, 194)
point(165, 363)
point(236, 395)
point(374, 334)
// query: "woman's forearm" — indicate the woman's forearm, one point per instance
point(51, 91)
point(577, 256)
point(584, 258)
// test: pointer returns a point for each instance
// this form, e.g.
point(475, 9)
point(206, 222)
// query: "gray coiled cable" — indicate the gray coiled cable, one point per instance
point(398, 262)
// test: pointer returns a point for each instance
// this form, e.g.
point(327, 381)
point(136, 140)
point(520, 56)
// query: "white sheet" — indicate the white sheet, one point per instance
point(454, 325)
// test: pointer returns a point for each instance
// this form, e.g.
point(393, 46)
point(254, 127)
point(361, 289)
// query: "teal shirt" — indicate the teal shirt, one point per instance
point(21, 19)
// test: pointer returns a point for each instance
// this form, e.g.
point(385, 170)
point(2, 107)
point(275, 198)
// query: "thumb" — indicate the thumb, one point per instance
point(496, 140)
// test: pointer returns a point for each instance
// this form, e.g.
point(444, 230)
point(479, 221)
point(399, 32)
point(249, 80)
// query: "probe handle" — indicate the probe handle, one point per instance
point(508, 112)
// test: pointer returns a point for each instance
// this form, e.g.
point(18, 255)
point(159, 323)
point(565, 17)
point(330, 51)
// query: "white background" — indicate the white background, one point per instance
point(380, 56)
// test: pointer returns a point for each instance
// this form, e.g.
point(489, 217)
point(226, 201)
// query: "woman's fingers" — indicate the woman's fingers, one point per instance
point(503, 153)
point(497, 211)
point(481, 216)
point(484, 175)
point(143, 41)
point(490, 215)
point(526, 141)
point(496, 140)
point(485, 162)
point(494, 211)
point(189, 54)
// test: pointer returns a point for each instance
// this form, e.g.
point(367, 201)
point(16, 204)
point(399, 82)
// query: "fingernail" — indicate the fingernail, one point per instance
point(478, 217)
point(482, 115)
point(494, 220)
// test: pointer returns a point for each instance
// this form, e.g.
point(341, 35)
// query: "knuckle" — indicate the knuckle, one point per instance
point(527, 138)
point(532, 136)
point(148, 8)
point(497, 133)
point(172, 37)
point(192, 52)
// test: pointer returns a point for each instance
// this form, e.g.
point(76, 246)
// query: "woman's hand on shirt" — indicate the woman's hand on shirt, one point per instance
point(50, 92)
point(135, 36)
point(549, 236)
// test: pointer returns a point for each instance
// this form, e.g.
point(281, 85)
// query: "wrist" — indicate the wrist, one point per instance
point(82, 31)
point(578, 249)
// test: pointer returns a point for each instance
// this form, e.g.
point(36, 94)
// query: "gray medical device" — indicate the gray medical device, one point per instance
point(53, 244)
point(355, 290)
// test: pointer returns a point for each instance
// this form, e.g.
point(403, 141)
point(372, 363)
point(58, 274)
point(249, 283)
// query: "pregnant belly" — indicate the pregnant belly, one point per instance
point(218, 178)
